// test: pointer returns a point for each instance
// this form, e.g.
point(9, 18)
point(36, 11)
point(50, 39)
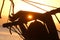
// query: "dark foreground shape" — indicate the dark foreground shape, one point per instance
point(10, 24)
point(37, 31)
point(32, 32)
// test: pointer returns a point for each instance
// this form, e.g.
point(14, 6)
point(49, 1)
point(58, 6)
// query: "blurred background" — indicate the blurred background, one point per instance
point(21, 5)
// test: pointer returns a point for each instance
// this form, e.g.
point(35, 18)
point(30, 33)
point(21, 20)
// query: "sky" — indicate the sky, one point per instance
point(21, 5)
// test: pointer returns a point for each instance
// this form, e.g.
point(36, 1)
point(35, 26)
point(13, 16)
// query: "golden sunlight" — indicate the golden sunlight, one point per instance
point(30, 17)
point(21, 5)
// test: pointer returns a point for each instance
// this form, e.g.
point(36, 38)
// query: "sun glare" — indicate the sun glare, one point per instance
point(21, 5)
point(30, 17)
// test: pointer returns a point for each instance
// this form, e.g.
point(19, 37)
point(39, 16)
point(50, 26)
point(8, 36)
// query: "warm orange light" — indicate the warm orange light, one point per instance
point(30, 16)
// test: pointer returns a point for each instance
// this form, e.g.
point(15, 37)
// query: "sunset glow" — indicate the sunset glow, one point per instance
point(21, 5)
point(30, 17)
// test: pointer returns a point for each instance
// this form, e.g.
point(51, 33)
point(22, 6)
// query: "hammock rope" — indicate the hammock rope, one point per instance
point(36, 6)
point(42, 4)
